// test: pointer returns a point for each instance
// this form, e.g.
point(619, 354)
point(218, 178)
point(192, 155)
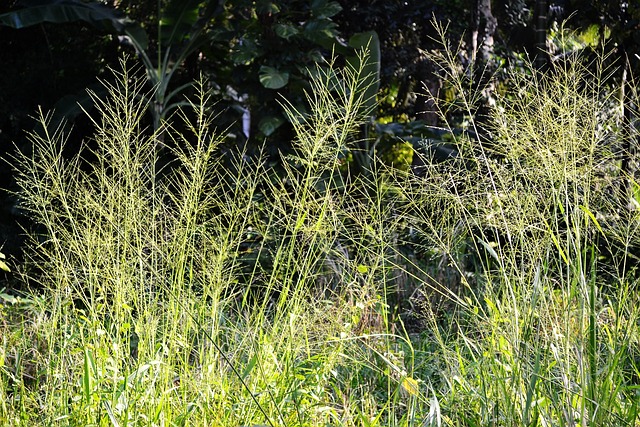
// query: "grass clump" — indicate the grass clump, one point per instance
point(192, 293)
point(547, 334)
point(214, 290)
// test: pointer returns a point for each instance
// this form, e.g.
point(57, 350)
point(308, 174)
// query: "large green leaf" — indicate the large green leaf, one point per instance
point(325, 8)
point(177, 20)
point(266, 7)
point(181, 25)
point(269, 124)
point(3, 265)
point(285, 30)
point(320, 31)
point(272, 78)
point(70, 106)
point(64, 11)
point(245, 52)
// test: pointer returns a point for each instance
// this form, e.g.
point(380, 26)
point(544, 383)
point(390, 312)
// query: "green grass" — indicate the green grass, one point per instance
point(218, 291)
point(549, 332)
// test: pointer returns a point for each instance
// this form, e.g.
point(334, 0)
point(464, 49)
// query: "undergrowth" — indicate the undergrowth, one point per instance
point(212, 289)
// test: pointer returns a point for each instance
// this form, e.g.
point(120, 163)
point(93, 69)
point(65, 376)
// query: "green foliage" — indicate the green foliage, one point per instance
point(180, 34)
point(532, 345)
point(146, 314)
point(3, 264)
point(216, 290)
point(253, 50)
point(271, 78)
point(64, 11)
point(177, 21)
point(275, 48)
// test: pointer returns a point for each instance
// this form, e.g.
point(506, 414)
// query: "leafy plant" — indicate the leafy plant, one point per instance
point(153, 311)
point(3, 264)
point(254, 62)
point(181, 29)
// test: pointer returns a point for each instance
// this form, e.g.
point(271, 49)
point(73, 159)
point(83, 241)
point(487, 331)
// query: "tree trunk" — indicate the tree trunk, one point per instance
point(541, 56)
point(484, 27)
point(427, 101)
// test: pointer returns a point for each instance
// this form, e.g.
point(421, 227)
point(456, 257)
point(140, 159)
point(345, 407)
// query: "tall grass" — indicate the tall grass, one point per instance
point(215, 290)
point(548, 334)
point(206, 291)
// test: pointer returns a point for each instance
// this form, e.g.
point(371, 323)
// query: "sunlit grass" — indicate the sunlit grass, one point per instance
point(201, 293)
point(549, 332)
point(215, 290)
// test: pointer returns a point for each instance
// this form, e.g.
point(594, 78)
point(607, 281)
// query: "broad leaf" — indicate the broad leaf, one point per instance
point(320, 31)
point(269, 124)
point(245, 52)
point(64, 11)
point(177, 20)
point(325, 8)
point(266, 7)
point(285, 31)
point(271, 78)
point(6, 298)
point(3, 266)
point(411, 386)
point(72, 105)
